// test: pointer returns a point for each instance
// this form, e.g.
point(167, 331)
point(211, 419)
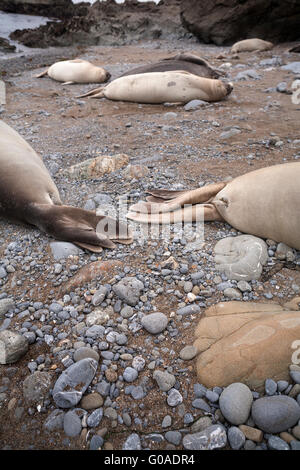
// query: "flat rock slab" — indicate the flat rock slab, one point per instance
point(213, 437)
point(12, 346)
point(245, 342)
point(242, 257)
point(73, 382)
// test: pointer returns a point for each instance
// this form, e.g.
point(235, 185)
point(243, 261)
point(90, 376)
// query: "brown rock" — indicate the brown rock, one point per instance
point(111, 375)
point(97, 167)
point(245, 342)
point(287, 437)
point(91, 401)
point(92, 271)
point(253, 434)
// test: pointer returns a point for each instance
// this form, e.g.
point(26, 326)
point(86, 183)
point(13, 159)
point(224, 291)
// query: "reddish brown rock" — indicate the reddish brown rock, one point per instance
point(245, 342)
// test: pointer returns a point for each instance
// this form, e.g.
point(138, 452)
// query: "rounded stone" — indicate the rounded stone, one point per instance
point(91, 401)
point(155, 323)
point(36, 387)
point(276, 413)
point(236, 438)
point(12, 346)
point(213, 437)
point(133, 442)
point(188, 353)
point(164, 380)
point(235, 403)
point(84, 352)
point(72, 424)
point(130, 374)
point(174, 397)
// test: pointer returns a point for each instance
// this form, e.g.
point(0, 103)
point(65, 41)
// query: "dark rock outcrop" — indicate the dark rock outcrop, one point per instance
point(226, 21)
point(50, 8)
point(109, 23)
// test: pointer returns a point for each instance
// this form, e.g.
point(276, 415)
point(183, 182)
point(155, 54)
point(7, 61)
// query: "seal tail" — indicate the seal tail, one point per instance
point(79, 226)
point(95, 93)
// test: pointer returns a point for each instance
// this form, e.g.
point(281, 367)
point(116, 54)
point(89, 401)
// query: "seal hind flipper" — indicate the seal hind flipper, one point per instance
point(68, 83)
point(166, 193)
point(192, 213)
point(95, 93)
point(202, 195)
point(42, 74)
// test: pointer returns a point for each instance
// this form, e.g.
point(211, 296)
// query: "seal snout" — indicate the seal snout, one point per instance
point(107, 76)
point(229, 88)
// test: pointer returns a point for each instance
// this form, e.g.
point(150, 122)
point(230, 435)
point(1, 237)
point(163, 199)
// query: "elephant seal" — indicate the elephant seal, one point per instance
point(250, 45)
point(28, 194)
point(188, 62)
point(264, 203)
point(160, 87)
point(76, 71)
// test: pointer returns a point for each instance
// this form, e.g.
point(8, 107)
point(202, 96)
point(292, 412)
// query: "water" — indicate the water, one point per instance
point(9, 22)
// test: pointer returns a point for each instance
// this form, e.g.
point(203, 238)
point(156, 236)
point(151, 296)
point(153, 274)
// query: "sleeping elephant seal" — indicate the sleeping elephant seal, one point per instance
point(250, 45)
point(160, 87)
point(188, 62)
point(76, 71)
point(28, 194)
point(264, 202)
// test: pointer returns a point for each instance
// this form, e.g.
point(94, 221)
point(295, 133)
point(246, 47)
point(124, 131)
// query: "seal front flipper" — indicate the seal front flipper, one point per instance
point(79, 226)
point(95, 93)
point(68, 83)
point(42, 74)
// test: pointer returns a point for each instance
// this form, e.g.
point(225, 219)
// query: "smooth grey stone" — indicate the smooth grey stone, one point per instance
point(270, 387)
point(166, 422)
point(174, 397)
point(227, 134)
point(236, 438)
point(129, 290)
point(295, 445)
point(73, 382)
point(282, 385)
point(62, 250)
point(12, 346)
point(188, 310)
point(241, 257)
point(194, 104)
point(292, 67)
point(275, 414)
point(164, 380)
point(276, 443)
point(5, 306)
point(95, 418)
point(132, 442)
point(130, 374)
point(72, 424)
point(213, 437)
point(174, 437)
point(155, 323)
point(96, 442)
point(246, 74)
point(201, 404)
point(84, 352)
point(36, 387)
point(55, 421)
point(235, 403)
point(295, 375)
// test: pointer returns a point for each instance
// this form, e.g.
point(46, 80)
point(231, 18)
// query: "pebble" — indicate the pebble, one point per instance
point(155, 323)
point(235, 403)
point(72, 424)
point(276, 413)
point(275, 443)
point(213, 437)
point(174, 397)
point(132, 442)
point(188, 353)
point(130, 374)
point(12, 346)
point(236, 438)
point(174, 437)
point(164, 380)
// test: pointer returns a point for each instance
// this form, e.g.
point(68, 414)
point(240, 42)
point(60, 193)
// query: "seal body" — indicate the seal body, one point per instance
point(264, 203)
point(76, 71)
point(28, 194)
point(161, 87)
point(187, 62)
point(250, 45)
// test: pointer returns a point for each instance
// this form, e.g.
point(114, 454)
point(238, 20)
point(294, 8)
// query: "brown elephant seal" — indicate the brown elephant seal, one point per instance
point(160, 87)
point(188, 62)
point(76, 71)
point(264, 202)
point(251, 45)
point(28, 194)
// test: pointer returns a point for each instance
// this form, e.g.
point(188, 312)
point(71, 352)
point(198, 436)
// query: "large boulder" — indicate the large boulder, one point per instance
point(246, 342)
point(227, 21)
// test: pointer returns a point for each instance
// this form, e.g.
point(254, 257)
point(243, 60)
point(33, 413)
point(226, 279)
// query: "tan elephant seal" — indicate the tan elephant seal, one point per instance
point(264, 203)
point(28, 194)
point(160, 87)
point(187, 62)
point(251, 45)
point(76, 71)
